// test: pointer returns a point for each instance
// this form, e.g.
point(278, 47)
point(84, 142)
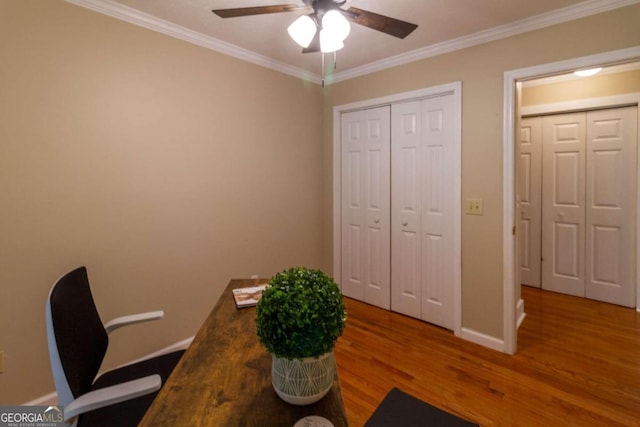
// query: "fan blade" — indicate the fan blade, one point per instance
point(257, 10)
point(387, 25)
point(314, 46)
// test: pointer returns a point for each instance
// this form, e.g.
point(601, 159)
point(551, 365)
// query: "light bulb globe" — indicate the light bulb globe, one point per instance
point(302, 30)
point(328, 42)
point(337, 24)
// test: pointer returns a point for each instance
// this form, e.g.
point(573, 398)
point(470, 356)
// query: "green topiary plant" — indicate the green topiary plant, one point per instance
point(301, 314)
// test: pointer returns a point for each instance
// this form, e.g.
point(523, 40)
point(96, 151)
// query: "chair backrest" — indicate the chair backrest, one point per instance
point(76, 336)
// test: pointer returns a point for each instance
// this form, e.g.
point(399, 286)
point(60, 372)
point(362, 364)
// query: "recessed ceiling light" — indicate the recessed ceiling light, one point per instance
point(587, 73)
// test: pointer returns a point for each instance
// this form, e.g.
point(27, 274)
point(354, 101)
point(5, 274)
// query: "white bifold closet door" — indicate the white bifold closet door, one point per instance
point(422, 205)
point(589, 200)
point(366, 210)
point(397, 223)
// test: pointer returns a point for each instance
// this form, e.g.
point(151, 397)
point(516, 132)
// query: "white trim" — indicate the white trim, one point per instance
point(508, 199)
point(52, 398)
point(180, 345)
point(582, 104)
point(482, 339)
point(521, 314)
point(454, 89)
point(46, 400)
point(508, 220)
point(136, 17)
point(337, 193)
point(142, 19)
point(457, 212)
point(413, 95)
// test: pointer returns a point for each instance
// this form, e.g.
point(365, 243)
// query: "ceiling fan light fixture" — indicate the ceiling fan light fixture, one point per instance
point(337, 24)
point(329, 42)
point(302, 30)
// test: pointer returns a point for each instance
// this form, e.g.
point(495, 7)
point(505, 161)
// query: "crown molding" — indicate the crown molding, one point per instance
point(136, 17)
point(566, 14)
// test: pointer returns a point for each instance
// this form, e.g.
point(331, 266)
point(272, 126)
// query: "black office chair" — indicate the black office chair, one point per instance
point(78, 341)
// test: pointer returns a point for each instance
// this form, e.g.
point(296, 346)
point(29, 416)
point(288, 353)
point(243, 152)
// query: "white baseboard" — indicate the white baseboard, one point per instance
point(482, 339)
point(46, 400)
point(180, 345)
point(52, 398)
point(487, 340)
point(520, 314)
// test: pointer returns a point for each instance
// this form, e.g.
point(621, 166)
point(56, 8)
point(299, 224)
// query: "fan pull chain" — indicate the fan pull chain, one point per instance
point(335, 64)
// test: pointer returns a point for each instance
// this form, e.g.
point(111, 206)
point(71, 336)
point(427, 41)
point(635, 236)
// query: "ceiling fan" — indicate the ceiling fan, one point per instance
point(326, 40)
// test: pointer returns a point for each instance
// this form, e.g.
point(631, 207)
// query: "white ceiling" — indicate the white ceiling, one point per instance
point(443, 25)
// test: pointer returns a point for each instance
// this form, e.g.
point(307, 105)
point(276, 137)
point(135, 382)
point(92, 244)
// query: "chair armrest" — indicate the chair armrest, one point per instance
point(119, 322)
point(110, 395)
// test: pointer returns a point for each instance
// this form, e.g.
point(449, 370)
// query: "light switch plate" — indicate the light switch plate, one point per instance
point(474, 207)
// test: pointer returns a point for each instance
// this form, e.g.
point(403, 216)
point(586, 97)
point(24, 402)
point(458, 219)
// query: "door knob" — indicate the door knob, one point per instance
point(377, 220)
point(405, 223)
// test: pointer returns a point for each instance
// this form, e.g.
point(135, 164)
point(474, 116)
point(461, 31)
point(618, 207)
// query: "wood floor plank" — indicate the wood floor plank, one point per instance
point(578, 364)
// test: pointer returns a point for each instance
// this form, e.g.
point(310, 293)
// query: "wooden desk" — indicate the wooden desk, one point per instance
point(224, 378)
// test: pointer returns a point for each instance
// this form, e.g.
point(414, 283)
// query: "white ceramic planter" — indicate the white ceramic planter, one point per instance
point(303, 381)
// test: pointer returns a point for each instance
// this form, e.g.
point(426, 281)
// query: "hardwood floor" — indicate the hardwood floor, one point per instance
point(578, 364)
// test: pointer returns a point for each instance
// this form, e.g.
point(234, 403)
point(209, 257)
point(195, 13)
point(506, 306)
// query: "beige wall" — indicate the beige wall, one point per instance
point(583, 88)
point(164, 167)
point(481, 70)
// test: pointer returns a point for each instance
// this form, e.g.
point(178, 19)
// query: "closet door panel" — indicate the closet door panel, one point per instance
point(563, 205)
point(366, 206)
point(406, 208)
point(611, 205)
point(529, 197)
point(437, 226)
point(377, 213)
point(352, 279)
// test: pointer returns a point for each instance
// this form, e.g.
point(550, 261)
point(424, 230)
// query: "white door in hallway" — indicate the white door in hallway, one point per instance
point(589, 204)
point(611, 201)
point(563, 204)
point(365, 204)
point(529, 196)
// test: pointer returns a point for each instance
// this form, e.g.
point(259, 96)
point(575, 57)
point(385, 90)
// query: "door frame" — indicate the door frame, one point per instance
point(509, 259)
point(454, 89)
